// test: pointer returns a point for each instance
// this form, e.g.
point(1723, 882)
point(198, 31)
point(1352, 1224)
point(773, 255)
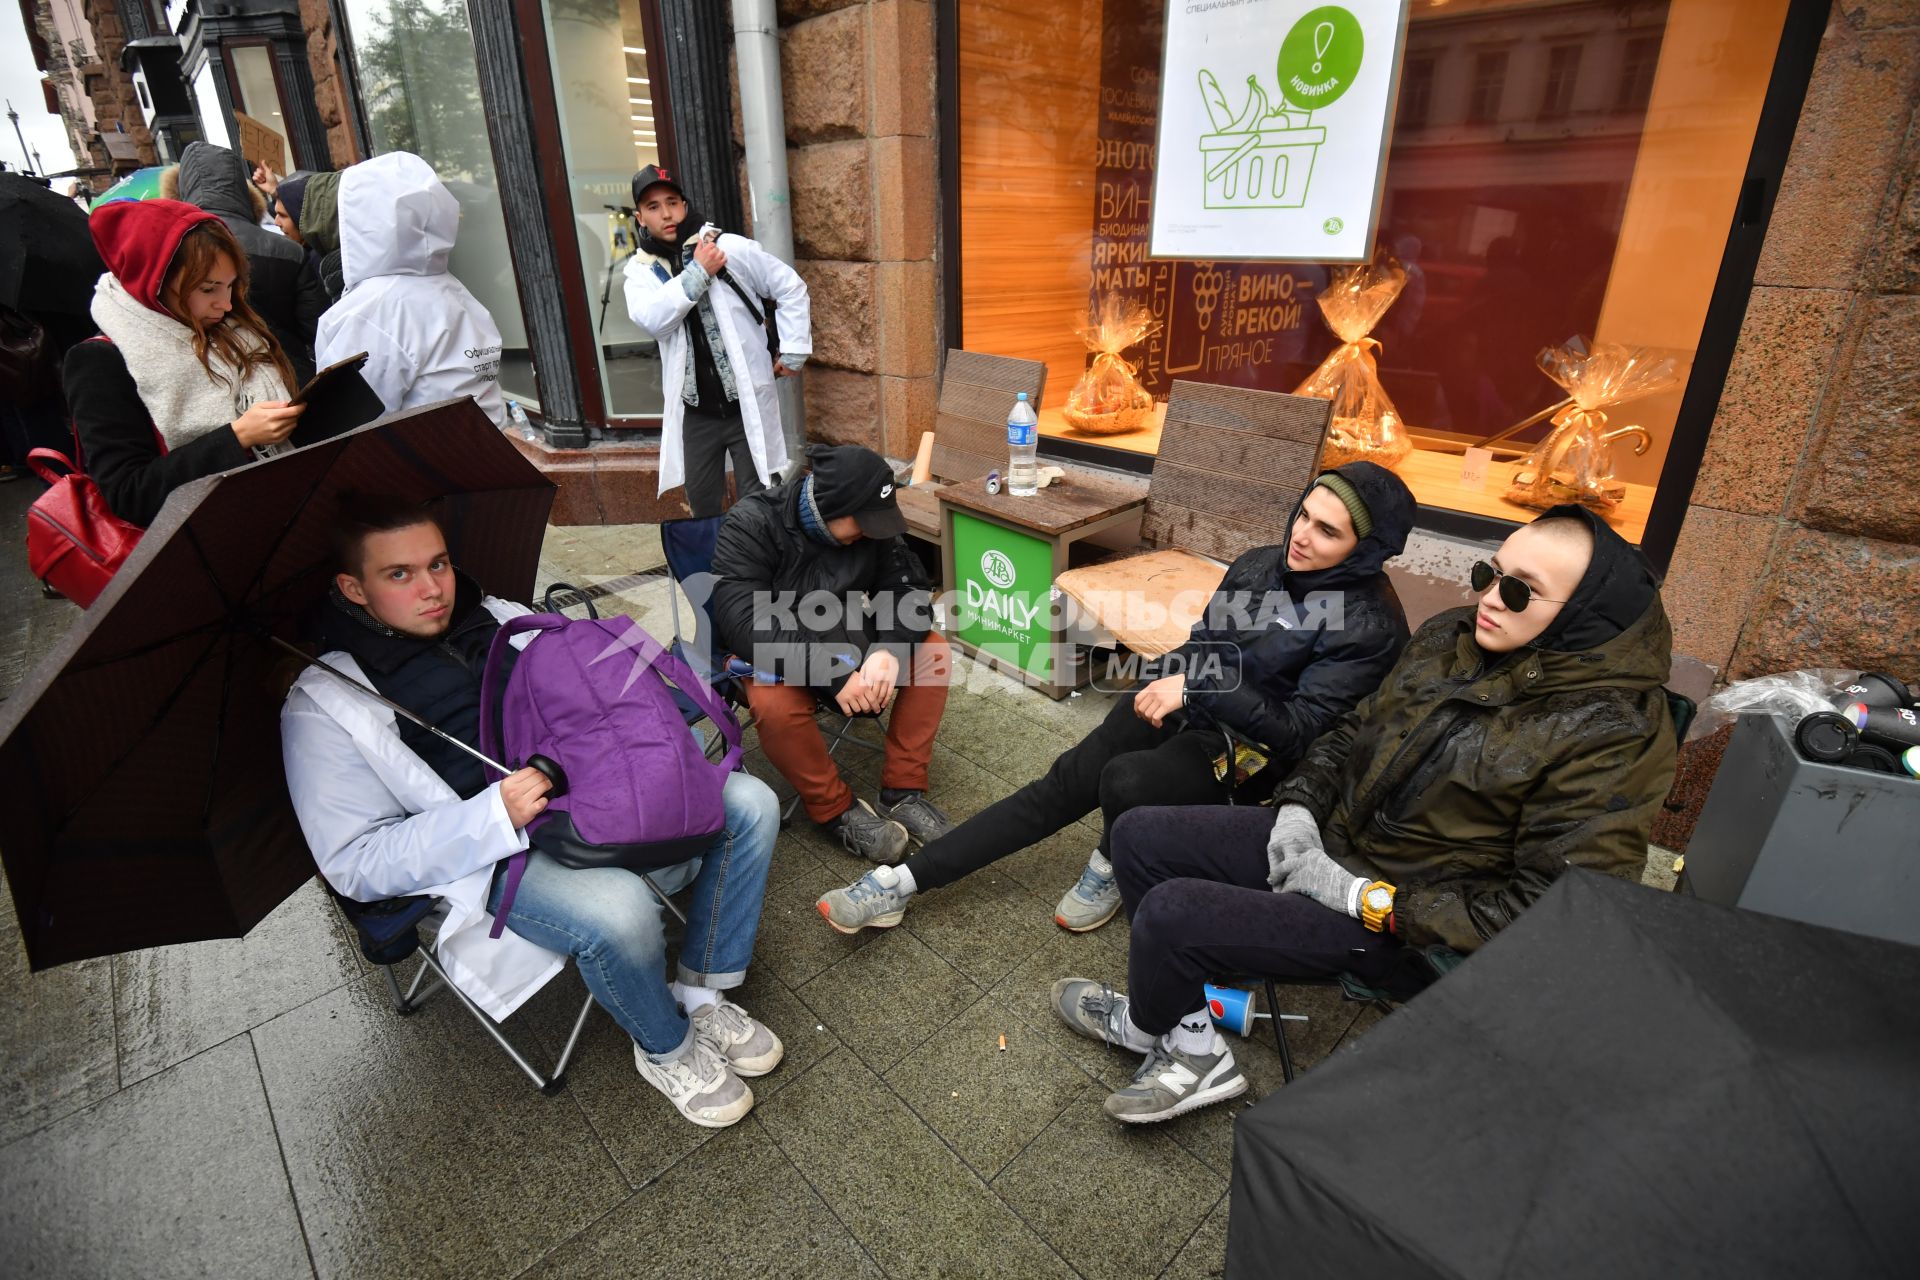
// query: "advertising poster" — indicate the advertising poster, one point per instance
point(1243, 324)
point(1273, 128)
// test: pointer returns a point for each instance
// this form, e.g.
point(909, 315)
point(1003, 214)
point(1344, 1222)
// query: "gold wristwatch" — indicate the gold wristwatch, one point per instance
point(1376, 904)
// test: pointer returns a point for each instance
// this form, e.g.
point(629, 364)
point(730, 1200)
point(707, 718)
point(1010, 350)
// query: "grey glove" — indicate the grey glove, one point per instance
point(1294, 833)
point(1302, 865)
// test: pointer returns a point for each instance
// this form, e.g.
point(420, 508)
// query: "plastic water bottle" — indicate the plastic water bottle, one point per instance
point(1023, 449)
point(518, 417)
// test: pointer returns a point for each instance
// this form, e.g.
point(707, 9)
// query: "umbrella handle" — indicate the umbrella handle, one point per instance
point(555, 775)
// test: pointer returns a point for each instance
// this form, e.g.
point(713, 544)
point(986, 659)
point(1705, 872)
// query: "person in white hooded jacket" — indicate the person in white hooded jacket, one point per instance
point(715, 371)
point(390, 809)
point(427, 339)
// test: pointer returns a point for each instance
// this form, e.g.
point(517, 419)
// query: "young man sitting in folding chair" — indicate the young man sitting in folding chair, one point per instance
point(389, 809)
point(816, 588)
point(1514, 738)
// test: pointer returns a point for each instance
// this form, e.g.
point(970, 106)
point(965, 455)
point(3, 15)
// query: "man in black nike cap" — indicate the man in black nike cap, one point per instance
point(816, 587)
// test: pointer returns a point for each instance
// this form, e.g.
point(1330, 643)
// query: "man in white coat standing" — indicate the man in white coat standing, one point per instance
point(704, 300)
point(427, 339)
point(390, 810)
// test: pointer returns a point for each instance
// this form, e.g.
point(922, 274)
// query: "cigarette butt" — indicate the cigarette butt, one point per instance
point(1003, 1042)
point(956, 1093)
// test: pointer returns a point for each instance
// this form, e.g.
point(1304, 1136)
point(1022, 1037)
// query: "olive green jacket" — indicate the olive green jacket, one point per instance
point(1470, 781)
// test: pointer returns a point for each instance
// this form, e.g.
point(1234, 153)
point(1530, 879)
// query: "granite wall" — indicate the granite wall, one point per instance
point(1801, 546)
point(329, 91)
point(858, 78)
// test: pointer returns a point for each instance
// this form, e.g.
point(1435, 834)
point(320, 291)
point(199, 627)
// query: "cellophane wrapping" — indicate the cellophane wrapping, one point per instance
point(1574, 461)
point(1365, 423)
point(1109, 398)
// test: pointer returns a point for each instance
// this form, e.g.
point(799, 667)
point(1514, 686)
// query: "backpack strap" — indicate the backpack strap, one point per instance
point(758, 317)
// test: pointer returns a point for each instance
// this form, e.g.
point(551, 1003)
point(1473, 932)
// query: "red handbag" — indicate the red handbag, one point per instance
point(75, 544)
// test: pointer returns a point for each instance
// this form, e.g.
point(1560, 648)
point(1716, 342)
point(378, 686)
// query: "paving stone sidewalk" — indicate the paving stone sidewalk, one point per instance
point(255, 1108)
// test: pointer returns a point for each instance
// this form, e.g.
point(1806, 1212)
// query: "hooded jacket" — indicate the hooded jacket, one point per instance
point(427, 339)
point(1281, 676)
point(1470, 781)
point(766, 565)
point(148, 415)
point(282, 284)
point(319, 223)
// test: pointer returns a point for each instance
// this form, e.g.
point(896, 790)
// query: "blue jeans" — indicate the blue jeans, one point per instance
point(614, 928)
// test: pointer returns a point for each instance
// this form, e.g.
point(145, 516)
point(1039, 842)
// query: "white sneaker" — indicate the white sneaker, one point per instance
point(699, 1083)
point(1171, 1083)
point(748, 1045)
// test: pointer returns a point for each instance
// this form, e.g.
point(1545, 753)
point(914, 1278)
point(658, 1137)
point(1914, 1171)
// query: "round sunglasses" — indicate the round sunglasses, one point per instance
point(1514, 594)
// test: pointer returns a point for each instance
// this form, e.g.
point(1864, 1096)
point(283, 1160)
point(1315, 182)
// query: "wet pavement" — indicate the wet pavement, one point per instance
point(255, 1108)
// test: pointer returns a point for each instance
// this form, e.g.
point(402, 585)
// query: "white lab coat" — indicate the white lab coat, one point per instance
point(381, 823)
point(427, 339)
point(659, 304)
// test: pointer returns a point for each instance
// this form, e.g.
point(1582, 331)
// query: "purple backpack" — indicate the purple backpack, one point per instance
point(593, 695)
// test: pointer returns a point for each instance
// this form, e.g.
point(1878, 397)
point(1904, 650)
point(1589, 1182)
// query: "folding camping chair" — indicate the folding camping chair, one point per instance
point(688, 545)
point(389, 932)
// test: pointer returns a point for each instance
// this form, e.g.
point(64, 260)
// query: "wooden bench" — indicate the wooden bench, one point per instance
point(970, 429)
point(1233, 462)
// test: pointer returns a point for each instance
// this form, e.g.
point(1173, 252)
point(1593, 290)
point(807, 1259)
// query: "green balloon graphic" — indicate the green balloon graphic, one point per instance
point(1320, 57)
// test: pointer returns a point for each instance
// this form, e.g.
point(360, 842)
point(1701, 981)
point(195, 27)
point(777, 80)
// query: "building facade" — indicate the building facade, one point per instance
point(1727, 182)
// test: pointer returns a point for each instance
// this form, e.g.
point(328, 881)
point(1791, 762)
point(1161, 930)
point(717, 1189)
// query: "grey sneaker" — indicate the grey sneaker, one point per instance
point(874, 901)
point(1171, 1083)
point(866, 834)
point(748, 1045)
point(1098, 1012)
point(1092, 901)
point(698, 1082)
point(917, 814)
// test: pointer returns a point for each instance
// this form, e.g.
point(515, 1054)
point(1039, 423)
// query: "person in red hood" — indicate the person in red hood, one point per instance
point(188, 380)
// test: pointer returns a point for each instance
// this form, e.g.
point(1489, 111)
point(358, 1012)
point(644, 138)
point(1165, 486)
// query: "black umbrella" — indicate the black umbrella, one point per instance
point(1623, 1083)
point(146, 802)
point(48, 264)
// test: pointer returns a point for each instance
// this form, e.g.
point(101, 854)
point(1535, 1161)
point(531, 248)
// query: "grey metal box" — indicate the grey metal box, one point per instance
point(1816, 842)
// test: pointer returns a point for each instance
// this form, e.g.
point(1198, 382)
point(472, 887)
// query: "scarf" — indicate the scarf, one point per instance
point(811, 522)
point(182, 399)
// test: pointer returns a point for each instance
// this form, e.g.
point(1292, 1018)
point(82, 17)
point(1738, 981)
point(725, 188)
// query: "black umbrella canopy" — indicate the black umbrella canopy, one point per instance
point(1622, 1083)
point(48, 263)
point(147, 803)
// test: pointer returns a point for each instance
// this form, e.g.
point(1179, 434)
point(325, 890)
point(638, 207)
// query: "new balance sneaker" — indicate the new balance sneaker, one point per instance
point(1098, 1012)
point(749, 1046)
point(917, 814)
point(698, 1082)
point(866, 834)
point(875, 901)
point(1092, 901)
point(1171, 1083)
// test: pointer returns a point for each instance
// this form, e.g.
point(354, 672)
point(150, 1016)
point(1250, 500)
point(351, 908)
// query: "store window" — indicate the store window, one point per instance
point(420, 90)
point(256, 95)
point(1556, 170)
point(610, 105)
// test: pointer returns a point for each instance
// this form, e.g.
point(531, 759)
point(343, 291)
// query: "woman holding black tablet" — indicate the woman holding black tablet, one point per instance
point(187, 380)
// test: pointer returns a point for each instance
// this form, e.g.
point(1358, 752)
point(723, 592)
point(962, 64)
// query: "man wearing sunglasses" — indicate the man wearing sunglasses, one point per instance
point(1518, 736)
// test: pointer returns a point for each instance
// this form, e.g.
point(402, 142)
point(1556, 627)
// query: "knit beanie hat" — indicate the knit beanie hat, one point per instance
point(1337, 485)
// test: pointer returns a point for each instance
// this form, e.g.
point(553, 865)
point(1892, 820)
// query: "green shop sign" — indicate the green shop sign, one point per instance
point(1004, 581)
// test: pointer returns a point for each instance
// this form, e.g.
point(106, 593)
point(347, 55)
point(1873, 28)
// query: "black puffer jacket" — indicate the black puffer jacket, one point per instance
point(282, 285)
point(766, 566)
point(1281, 675)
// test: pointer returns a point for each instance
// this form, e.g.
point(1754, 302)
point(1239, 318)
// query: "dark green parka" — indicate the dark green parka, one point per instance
point(1469, 781)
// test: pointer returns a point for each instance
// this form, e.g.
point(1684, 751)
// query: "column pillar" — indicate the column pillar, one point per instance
point(698, 34)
